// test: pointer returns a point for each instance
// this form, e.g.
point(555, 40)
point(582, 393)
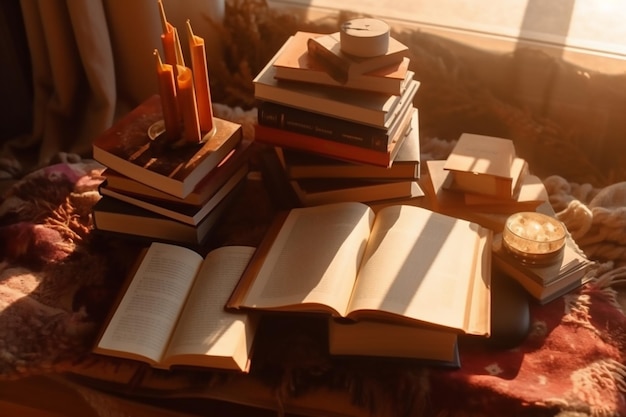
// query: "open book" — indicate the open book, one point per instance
point(172, 311)
point(404, 264)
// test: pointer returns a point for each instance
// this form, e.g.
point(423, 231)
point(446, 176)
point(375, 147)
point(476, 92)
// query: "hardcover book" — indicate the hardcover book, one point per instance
point(203, 191)
point(296, 64)
point(329, 148)
point(545, 282)
point(114, 216)
point(137, 147)
point(531, 194)
point(323, 126)
point(316, 191)
point(358, 106)
point(341, 66)
point(406, 164)
point(484, 165)
point(171, 312)
point(192, 215)
point(391, 266)
point(377, 339)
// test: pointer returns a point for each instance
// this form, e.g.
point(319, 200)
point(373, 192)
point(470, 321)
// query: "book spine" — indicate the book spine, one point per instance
point(302, 142)
point(322, 126)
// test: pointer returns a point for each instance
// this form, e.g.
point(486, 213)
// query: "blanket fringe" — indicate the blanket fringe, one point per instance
point(596, 378)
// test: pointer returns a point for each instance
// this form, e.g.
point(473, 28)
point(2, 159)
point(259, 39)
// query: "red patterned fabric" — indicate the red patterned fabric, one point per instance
point(573, 359)
point(57, 281)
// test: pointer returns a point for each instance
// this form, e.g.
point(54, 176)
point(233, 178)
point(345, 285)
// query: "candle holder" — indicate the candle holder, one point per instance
point(534, 238)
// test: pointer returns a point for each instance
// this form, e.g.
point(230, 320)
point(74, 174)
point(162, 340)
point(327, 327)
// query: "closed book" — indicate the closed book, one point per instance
point(299, 141)
point(296, 64)
point(531, 194)
point(316, 191)
point(342, 66)
point(545, 282)
point(358, 106)
point(484, 165)
point(111, 215)
point(192, 215)
point(297, 120)
point(215, 179)
point(135, 146)
point(390, 340)
point(406, 164)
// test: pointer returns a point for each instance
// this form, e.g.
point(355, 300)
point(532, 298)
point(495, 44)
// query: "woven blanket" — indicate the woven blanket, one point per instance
point(58, 279)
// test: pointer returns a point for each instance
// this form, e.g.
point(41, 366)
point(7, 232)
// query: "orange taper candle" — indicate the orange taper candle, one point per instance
point(187, 105)
point(167, 91)
point(168, 38)
point(201, 80)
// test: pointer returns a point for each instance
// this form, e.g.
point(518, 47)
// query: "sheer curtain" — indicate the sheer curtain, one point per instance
point(92, 61)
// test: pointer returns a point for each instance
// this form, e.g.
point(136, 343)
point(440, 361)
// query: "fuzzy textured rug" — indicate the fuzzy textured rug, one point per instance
point(57, 278)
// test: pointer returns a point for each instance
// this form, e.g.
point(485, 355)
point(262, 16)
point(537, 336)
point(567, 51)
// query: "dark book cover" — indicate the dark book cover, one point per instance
point(327, 127)
point(203, 191)
point(136, 147)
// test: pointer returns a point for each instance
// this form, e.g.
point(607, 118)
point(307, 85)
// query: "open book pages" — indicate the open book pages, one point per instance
point(171, 313)
point(391, 266)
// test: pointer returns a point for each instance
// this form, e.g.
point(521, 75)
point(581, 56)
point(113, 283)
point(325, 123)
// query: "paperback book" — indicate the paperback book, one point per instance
point(484, 165)
point(530, 195)
point(171, 311)
point(317, 191)
point(378, 339)
point(545, 282)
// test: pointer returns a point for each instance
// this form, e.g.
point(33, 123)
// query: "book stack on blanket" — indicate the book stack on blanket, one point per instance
point(172, 167)
point(158, 190)
point(343, 126)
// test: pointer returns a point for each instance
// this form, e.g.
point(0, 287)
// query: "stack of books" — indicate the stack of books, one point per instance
point(544, 283)
point(352, 136)
point(172, 167)
point(159, 191)
point(483, 180)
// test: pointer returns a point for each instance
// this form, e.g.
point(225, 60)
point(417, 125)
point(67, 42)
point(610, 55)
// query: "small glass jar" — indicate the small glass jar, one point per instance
point(534, 238)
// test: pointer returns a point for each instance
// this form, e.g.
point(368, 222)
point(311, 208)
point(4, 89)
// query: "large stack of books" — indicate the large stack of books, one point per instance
point(341, 133)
